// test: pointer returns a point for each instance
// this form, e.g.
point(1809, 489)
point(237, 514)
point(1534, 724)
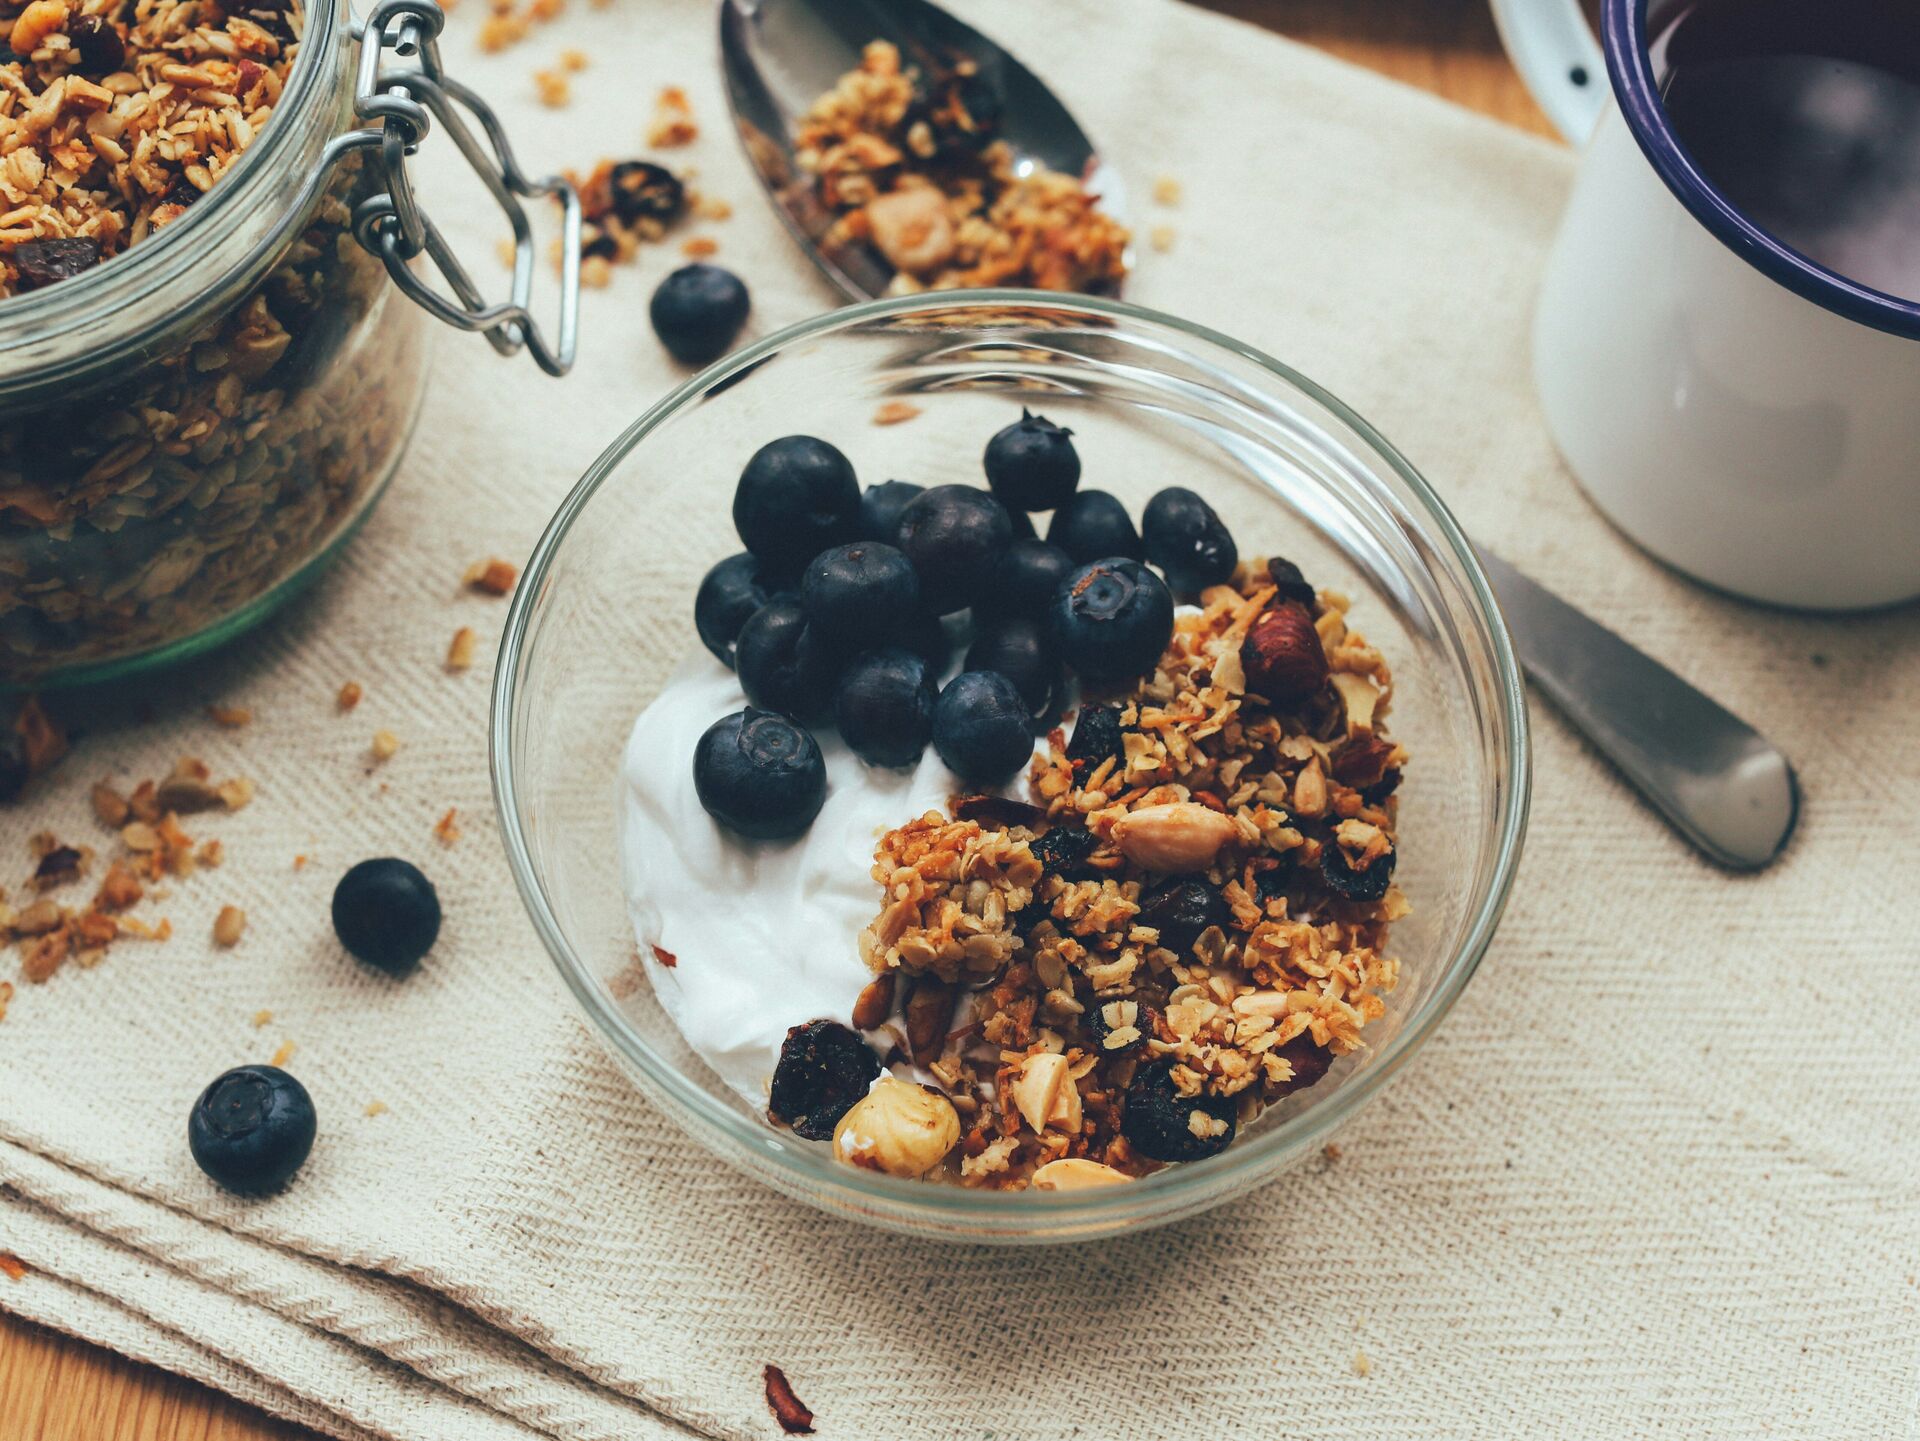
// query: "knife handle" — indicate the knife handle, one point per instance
point(1717, 780)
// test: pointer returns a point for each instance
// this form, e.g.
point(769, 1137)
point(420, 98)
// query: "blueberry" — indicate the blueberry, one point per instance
point(860, 595)
point(760, 774)
point(1025, 577)
point(1063, 850)
point(697, 311)
point(1031, 465)
point(1293, 585)
point(1343, 880)
point(1111, 620)
point(824, 1067)
point(796, 497)
point(1093, 525)
point(1187, 541)
point(387, 914)
point(981, 728)
point(1309, 1062)
point(1018, 650)
point(881, 506)
point(783, 667)
point(729, 595)
point(954, 534)
point(1097, 736)
point(251, 1129)
point(1158, 1119)
point(884, 707)
point(1181, 910)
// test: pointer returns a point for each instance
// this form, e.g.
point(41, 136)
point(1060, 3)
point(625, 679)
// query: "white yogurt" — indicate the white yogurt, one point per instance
point(764, 933)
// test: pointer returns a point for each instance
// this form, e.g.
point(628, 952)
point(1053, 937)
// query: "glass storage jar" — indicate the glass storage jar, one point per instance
point(189, 430)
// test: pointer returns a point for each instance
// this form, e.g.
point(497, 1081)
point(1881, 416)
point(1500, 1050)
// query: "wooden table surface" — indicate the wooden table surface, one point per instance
point(56, 1389)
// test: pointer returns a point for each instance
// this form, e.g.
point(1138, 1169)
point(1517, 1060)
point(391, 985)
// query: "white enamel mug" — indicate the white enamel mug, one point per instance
point(1748, 416)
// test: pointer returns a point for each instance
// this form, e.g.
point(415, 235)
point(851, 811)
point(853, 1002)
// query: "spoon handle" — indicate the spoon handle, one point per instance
point(1720, 783)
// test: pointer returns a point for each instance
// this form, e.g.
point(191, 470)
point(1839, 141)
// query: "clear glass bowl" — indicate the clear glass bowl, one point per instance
point(606, 610)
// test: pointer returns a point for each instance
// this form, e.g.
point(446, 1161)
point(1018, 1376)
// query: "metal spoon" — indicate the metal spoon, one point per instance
point(1716, 780)
point(779, 56)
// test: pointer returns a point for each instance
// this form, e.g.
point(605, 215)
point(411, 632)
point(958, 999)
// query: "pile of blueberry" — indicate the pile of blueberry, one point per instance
point(254, 1126)
point(837, 610)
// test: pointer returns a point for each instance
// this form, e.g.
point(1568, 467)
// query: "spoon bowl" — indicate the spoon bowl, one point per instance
point(779, 56)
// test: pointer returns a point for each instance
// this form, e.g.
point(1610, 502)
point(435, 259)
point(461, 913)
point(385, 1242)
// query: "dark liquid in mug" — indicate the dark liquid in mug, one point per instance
point(1805, 114)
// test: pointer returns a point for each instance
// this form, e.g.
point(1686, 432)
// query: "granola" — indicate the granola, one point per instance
point(1190, 918)
point(907, 162)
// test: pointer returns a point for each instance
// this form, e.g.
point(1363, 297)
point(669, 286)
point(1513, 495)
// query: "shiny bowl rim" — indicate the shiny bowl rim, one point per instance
point(989, 1215)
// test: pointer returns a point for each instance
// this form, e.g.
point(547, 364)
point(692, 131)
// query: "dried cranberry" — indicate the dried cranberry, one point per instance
point(1181, 909)
point(42, 262)
point(97, 44)
point(1063, 852)
point(1158, 1120)
point(1309, 1062)
point(643, 191)
point(824, 1068)
point(1293, 585)
point(1343, 880)
point(1096, 738)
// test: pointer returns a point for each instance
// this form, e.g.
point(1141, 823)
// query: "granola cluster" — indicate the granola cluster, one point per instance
point(146, 506)
point(1189, 922)
point(908, 162)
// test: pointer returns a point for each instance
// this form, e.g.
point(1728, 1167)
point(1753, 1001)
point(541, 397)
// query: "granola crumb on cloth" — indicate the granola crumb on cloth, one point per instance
point(908, 163)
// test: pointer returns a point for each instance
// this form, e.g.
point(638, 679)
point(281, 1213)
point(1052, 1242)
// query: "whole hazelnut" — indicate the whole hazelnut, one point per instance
point(897, 1127)
point(1282, 655)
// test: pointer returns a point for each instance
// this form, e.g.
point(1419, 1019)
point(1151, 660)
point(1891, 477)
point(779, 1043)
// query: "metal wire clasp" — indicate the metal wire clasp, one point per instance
point(400, 105)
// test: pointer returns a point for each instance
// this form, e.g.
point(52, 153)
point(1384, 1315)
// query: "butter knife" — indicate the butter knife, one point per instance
point(1717, 780)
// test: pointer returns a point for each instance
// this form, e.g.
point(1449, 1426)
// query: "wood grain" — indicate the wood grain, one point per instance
point(56, 1389)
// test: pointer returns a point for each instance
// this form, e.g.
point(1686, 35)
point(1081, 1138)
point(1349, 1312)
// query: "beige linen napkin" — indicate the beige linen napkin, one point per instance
point(1656, 1175)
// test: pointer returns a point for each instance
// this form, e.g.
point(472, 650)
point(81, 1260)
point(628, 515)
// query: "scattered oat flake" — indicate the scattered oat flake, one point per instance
point(385, 745)
point(672, 120)
point(1362, 1366)
point(261, 1018)
point(235, 793)
point(6, 995)
point(228, 925)
point(895, 412)
point(1166, 191)
point(575, 60)
point(283, 1055)
point(376, 1108)
point(493, 576)
point(712, 207)
point(110, 808)
point(1161, 238)
point(460, 649)
point(794, 1418)
point(447, 829)
point(665, 957)
point(12, 1265)
point(299, 863)
point(553, 89)
point(349, 696)
point(42, 743)
point(700, 247)
point(233, 717)
point(1332, 1151)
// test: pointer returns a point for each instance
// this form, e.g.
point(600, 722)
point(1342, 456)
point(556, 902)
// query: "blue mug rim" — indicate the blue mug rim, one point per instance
point(1630, 68)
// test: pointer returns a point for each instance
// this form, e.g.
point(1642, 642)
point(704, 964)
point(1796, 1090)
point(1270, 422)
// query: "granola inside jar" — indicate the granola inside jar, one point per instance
point(206, 377)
